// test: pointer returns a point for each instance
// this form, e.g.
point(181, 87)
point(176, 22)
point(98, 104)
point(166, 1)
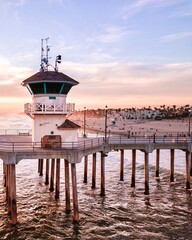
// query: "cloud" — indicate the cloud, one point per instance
point(15, 3)
point(130, 84)
point(138, 5)
point(176, 36)
point(110, 34)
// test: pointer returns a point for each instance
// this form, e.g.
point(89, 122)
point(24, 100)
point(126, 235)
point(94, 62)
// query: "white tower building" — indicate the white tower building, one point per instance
point(49, 109)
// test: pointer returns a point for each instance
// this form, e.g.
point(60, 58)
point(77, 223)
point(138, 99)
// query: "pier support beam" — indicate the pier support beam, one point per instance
point(191, 166)
point(188, 161)
point(52, 175)
point(13, 195)
point(157, 163)
point(67, 187)
point(40, 167)
point(172, 159)
point(74, 191)
point(133, 168)
point(94, 172)
point(57, 182)
point(122, 165)
point(85, 169)
point(102, 193)
point(4, 173)
point(146, 166)
point(47, 172)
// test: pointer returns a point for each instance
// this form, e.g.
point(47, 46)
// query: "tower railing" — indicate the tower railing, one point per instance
point(31, 108)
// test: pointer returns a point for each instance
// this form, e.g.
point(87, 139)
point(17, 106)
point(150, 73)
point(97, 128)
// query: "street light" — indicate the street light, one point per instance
point(84, 134)
point(105, 123)
point(189, 131)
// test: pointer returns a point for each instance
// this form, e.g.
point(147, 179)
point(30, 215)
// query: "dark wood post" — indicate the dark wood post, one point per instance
point(52, 175)
point(188, 159)
point(4, 173)
point(85, 169)
point(8, 189)
point(57, 183)
point(47, 172)
point(122, 165)
point(67, 187)
point(191, 166)
point(146, 166)
point(13, 195)
point(133, 168)
point(102, 174)
point(157, 162)
point(74, 191)
point(172, 152)
point(41, 167)
point(94, 172)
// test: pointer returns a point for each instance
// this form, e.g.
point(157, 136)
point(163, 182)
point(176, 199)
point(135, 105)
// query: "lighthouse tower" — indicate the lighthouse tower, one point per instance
point(49, 108)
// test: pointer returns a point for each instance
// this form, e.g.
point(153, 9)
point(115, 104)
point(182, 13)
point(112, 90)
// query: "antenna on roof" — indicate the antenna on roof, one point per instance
point(44, 55)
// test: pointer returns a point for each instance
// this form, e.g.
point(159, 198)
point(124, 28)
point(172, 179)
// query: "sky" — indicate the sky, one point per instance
point(123, 53)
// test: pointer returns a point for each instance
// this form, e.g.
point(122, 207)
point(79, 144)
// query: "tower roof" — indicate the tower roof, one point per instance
point(49, 76)
point(68, 125)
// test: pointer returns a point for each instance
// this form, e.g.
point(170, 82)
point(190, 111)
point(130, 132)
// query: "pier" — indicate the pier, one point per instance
point(14, 148)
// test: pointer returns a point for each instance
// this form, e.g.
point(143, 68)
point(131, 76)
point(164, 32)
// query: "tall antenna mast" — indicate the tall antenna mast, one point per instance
point(44, 55)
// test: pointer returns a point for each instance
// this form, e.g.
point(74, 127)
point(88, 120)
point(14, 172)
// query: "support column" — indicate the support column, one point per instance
point(94, 171)
point(8, 188)
point(57, 184)
point(102, 193)
point(122, 165)
point(74, 191)
point(133, 168)
point(4, 173)
point(67, 187)
point(191, 166)
point(52, 175)
point(172, 152)
point(85, 169)
point(13, 195)
point(146, 166)
point(188, 160)
point(157, 162)
point(47, 172)
point(40, 167)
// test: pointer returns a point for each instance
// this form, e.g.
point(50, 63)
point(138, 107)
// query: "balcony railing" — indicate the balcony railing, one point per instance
point(30, 108)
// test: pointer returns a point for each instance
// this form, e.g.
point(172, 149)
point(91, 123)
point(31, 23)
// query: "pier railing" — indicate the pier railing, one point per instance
point(90, 143)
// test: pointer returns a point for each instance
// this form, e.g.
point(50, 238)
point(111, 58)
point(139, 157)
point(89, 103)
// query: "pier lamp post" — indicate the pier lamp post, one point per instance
point(189, 131)
point(84, 134)
point(105, 123)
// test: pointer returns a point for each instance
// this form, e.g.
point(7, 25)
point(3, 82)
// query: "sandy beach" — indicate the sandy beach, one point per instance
point(135, 127)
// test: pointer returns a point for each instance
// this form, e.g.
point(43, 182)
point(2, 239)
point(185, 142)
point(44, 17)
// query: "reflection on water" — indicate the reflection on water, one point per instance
point(124, 213)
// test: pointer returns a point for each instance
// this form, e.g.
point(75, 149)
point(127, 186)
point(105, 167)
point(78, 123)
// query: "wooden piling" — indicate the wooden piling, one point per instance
point(74, 191)
point(8, 188)
point(122, 165)
point(41, 167)
point(94, 171)
point(67, 187)
point(4, 173)
point(51, 188)
point(133, 168)
point(85, 169)
point(13, 195)
point(188, 159)
point(146, 169)
point(57, 183)
point(172, 159)
point(157, 162)
point(191, 166)
point(47, 172)
point(102, 193)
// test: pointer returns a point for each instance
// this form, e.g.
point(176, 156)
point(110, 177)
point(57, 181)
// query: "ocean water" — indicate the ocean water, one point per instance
point(124, 213)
